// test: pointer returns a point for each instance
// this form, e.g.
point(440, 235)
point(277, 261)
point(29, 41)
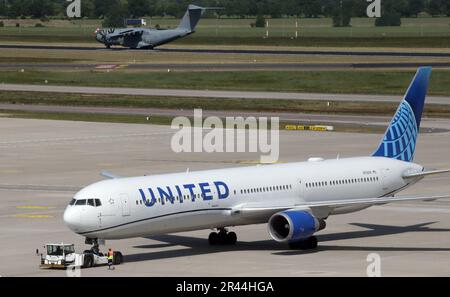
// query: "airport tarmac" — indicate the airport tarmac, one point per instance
point(186, 93)
point(428, 125)
point(43, 163)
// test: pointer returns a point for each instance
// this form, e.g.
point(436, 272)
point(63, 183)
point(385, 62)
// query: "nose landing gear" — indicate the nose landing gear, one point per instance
point(223, 237)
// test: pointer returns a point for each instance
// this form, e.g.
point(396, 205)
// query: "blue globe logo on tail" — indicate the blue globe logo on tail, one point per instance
point(400, 139)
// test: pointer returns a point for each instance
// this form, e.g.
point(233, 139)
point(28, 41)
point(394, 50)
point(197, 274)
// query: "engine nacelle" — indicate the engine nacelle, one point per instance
point(294, 225)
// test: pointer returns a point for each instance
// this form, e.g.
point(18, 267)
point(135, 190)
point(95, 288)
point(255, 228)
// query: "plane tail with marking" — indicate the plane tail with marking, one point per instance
point(399, 142)
point(191, 18)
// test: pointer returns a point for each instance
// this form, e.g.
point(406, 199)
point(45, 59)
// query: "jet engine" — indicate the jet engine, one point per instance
point(294, 225)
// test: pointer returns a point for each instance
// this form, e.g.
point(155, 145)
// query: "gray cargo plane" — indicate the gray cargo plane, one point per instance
point(140, 38)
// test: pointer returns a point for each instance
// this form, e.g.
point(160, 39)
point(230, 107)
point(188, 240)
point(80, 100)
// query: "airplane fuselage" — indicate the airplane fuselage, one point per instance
point(161, 204)
point(143, 38)
point(147, 38)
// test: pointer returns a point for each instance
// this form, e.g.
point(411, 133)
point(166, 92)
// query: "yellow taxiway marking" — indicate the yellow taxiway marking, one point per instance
point(34, 207)
point(33, 216)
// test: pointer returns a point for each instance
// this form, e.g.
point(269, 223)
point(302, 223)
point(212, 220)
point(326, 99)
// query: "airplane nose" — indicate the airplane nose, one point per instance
point(72, 219)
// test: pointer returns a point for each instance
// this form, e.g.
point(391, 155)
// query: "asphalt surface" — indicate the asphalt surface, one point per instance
point(226, 67)
point(43, 163)
point(240, 51)
point(214, 94)
point(350, 119)
point(341, 122)
point(429, 125)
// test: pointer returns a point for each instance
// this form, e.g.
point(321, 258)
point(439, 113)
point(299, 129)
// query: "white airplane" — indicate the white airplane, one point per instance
point(293, 199)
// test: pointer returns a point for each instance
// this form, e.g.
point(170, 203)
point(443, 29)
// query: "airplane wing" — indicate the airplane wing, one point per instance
point(255, 209)
point(126, 33)
point(375, 201)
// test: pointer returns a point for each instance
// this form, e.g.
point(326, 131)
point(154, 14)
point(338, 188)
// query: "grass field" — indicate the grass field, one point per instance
point(352, 82)
point(414, 32)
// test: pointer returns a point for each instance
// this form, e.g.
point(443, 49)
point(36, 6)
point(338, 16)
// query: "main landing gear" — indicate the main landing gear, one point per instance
point(307, 244)
point(223, 237)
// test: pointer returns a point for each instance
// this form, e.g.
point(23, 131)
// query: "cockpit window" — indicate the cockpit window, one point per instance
point(81, 202)
point(90, 202)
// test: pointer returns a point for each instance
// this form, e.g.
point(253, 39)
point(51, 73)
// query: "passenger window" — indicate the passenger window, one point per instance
point(81, 202)
point(98, 202)
point(91, 202)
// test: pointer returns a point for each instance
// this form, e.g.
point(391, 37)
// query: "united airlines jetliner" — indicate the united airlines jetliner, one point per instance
point(294, 200)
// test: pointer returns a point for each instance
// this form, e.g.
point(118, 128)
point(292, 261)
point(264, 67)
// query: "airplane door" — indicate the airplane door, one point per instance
point(384, 178)
point(125, 203)
point(99, 219)
point(301, 191)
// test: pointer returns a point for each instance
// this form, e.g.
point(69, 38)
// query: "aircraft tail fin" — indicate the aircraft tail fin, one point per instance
point(191, 17)
point(399, 142)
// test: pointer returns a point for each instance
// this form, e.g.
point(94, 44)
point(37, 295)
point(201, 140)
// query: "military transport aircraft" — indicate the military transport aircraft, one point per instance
point(142, 38)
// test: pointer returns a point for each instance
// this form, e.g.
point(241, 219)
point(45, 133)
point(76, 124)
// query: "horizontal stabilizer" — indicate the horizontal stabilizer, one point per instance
point(109, 175)
point(425, 173)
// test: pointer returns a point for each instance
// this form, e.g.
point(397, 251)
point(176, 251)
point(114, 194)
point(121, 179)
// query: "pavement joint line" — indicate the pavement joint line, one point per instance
point(84, 138)
point(46, 188)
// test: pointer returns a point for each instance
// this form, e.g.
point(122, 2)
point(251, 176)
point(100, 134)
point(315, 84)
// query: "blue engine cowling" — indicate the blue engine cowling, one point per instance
point(294, 225)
